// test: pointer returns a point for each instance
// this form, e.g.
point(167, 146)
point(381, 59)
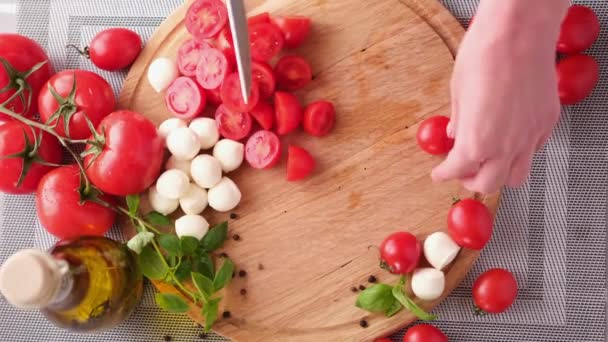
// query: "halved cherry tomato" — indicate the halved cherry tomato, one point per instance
point(263, 113)
point(213, 96)
point(300, 163)
point(263, 150)
point(224, 43)
point(263, 74)
point(432, 135)
point(263, 17)
point(295, 29)
point(266, 41)
point(577, 76)
point(293, 72)
point(232, 96)
point(114, 48)
point(400, 252)
point(319, 118)
point(188, 56)
point(579, 31)
point(288, 112)
point(470, 224)
point(206, 18)
point(231, 124)
point(185, 99)
point(211, 69)
point(424, 333)
point(495, 290)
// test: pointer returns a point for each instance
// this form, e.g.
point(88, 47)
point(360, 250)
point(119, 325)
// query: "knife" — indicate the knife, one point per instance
point(240, 36)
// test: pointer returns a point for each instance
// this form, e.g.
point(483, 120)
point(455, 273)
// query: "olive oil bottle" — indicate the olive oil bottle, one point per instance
point(86, 285)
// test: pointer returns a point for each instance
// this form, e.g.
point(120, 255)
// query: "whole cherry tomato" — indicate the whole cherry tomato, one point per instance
point(580, 29)
point(424, 333)
point(432, 135)
point(400, 252)
point(577, 76)
point(470, 224)
point(114, 49)
point(495, 290)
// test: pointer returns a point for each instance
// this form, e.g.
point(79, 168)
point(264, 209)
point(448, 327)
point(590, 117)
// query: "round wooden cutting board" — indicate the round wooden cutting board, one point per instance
point(386, 65)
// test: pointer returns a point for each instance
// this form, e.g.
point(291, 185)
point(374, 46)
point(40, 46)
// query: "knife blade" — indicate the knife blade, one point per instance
point(240, 36)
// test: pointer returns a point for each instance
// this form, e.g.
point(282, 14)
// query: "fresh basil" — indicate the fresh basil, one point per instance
point(394, 309)
point(171, 244)
point(377, 298)
point(172, 303)
point(210, 312)
point(183, 271)
point(158, 219)
point(188, 244)
point(224, 275)
point(204, 265)
point(203, 284)
point(215, 237)
point(152, 265)
point(410, 305)
point(133, 204)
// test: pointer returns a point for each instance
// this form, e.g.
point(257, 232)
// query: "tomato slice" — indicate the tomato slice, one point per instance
point(319, 118)
point(263, 150)
point(266, 41)
point(211, 69)
point(263, 74)
point(185, 99)
point(213, 96)
point(206, 18)
point(188, 56)
point(293, 72)
point(225, 44)
point(263, 17)
point(288, 112)
point(295, 29)
point(232, 96)
point(263, 113)
point(231, 124)
point(300, 163)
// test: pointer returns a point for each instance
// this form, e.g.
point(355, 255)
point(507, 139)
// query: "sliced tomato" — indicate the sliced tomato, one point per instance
point(300, 163)
point(211, 69)
point(288, 112)
point(266, 41)
point(319, 118)
point(263, 17)
point(263, 74)
point(293, 72)
point(232, 96)
point(263, 150)
point(206, 18)
point(263, 113)
point(232, 124)
point(225, 44)
point(213, 96)
point(185, 99)
point(295, 29)
point(188, 56)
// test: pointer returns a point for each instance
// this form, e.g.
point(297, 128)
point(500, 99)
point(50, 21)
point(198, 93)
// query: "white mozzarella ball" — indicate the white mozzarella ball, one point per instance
point(193, 201)
point(161, 73)
point(170, 125)
point(428, 283)
point(172, 184)
point(206, 171)
point(225, 196)
point(191, 225)
point(230, 153)
point(161, 203)
point(182, 165)
point(183, 143)
point(440, 250)
point(207, 132)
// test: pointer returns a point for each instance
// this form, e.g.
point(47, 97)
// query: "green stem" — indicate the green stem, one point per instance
point(173, 277)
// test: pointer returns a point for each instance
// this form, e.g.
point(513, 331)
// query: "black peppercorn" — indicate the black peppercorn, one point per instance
point(354, 289)
point(234, 216)
point(372, 279)
point(236, 237)
point(361, 287)
point(226, 314)
point(260, 267)
point(242, 273)
point(363, 323)
point(243, 292)
point(223, 255)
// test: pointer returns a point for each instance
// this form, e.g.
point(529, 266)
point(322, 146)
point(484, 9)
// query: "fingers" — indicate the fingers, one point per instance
point(491, 177)
point(542, 141)
point(455, 166)
point(520, 169)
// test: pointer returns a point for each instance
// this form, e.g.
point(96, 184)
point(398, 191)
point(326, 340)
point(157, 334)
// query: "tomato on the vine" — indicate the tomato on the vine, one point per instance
point(424, 333)
point(495, 290)
point(470, 223)
point(432, 136)
point(400, 252)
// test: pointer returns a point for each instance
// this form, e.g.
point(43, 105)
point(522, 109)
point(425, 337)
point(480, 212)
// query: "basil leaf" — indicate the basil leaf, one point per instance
point(204, 265)
point(152, 264)
point(376, 298)
point(170, 243)
point(172, 303)
point(133, 204)
point(139, 241)
point(210, 311)
point(158, 219)
point(188, 244)
point(410, 305)
point(393, 309)
point(215, 237)
point(224, 275)
point(203, 284)
point(183, 271)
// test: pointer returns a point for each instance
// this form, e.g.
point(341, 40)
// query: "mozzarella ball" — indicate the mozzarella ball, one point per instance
point(230, 153)
point(194, 200)
point(183, 143)
point(440, 250)
point(428, 283)
point(206, 171)
point(161, 73)
point(207, 132)
point(161, 203)
point(225, 196)
point(182, 165)
point(172, 184)
point(191, 225)
point(170, 125)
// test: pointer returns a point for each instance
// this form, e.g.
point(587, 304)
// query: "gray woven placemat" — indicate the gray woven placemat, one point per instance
point(551, 232)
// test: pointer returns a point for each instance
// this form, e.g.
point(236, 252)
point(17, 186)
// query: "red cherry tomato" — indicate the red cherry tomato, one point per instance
point(295, 29)
point(224, 43)
point(22, 54)
point(188, 56)
point(213, 96)
point(293, 72)
point(263, 113)
point(288, 112)
point(263, 150)
point(300, 163)
point(12, 141)
point(232, 97)
point(232, 125)
point(495, 290)
point(206, 18)
point(63, 210)
point(211, 69)
point(470, 224)
point(185, 99)
point(263, 17)
point(577, 76)
point(266, 41)
point(400, 252)
point(579, 31)
point(424, 333)
point(263, 74)
point(94, 99)
point(432, 135)
point(319, 118)
point(131, 158)
point(114, 49)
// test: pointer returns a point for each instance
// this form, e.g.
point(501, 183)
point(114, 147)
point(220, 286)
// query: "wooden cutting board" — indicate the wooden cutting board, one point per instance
point(386, 65)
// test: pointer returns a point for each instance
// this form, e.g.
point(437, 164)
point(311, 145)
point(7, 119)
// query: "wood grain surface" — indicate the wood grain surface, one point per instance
point(386, 65)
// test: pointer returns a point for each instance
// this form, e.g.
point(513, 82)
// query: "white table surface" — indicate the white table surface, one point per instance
point(7, 15)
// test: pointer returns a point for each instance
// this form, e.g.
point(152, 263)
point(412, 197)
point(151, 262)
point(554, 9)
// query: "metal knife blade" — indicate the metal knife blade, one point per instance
point(240, 35)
